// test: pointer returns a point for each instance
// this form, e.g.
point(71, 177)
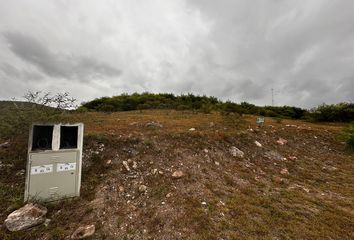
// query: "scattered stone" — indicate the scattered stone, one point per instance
point(142, 188)
point(21, 172)
point(217, 163)
point(28, 216)
point(329, 168)
point(192, 129)
point(168, 195)
point(284, 171)
point(46, 222)
point(125, 164)
point(274, 155)
point(234, 151)
point(83, 232)
point(205, 150)
point(293, 158)
point(109, 161)
point(5, 144)
point(161, 172)
point(258, 144)
point(177, 174)
point(154, 171)
point(299, 186)
point(282, 141)
point(154, 125)
point(135, 165)
point(204, 203)
point(131, 151)
point(101, 147)
point(4, 165)
point(121, 189)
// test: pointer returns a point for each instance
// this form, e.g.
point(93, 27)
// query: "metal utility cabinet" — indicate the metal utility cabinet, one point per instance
point(54, 161)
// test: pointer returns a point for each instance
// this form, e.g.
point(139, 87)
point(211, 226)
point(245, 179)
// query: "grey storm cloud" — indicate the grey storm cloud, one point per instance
point(232, 49)
point(56, 64)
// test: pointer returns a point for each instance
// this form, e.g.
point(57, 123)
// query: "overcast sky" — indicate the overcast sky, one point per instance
point(230, 49)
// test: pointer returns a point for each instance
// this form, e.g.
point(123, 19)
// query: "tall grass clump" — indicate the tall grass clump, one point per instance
point(349, 135)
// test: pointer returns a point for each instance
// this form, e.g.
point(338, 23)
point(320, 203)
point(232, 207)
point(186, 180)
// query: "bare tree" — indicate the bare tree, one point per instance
point(60, 101)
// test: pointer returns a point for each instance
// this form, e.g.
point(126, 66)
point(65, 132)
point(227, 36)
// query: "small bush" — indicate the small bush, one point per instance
point(206, 108)
point(278, 120)
point(349, 135)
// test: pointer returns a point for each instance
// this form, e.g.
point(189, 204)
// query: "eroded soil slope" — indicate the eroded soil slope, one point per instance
point(301, 187)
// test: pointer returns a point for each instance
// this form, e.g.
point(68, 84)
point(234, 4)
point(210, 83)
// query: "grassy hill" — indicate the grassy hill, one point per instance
point(302, 189)
point(14, 104)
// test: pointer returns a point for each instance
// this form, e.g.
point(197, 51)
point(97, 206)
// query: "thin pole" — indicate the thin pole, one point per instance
point(272, 97)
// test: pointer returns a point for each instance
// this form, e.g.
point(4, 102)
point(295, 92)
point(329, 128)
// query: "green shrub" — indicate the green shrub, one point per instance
point(278, 120)
point(349, 135)
point(342, 112)
point(206, 108)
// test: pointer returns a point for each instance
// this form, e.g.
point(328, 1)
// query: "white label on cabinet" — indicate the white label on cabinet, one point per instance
point(62, 167)
point(41, 169)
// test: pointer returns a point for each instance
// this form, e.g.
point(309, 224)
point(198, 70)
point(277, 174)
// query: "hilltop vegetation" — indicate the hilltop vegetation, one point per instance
point(204, 104)
point(343, 112)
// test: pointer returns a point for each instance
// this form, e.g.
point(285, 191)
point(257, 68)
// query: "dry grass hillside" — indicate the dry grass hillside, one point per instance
point(301, 189)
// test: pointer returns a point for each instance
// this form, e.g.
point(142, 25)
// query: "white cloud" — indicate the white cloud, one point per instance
point(234, 50)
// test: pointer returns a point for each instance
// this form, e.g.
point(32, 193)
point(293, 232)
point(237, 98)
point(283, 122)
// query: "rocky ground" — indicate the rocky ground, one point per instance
point(185, 175)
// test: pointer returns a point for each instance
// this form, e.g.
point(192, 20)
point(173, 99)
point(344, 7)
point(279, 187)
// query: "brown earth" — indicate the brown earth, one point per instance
point(303, 189)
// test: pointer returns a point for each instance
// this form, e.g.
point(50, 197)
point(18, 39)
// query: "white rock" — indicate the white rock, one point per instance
point(192, 129)
point(125, 164)
point(282, 141)
point(142, 188)
point(234, 151)
point(284, 171)
point(5, 145)
point(258, 144)
point(154, 125)
point(177, 174)
point(47, 221)
point(28, 216)
point(83, 232)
